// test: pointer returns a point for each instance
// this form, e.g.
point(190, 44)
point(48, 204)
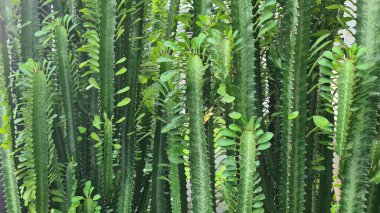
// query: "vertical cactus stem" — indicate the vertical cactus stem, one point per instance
point(247, 169)
point(127, 128)
point(245, 93)
point(40, 140)
point(346, 83)
point(160, 200)
point(7, 160)
point(364, 120)
point(107, 55)
point(108, 161)
point(65, 81)
point(199, 167)
point(29, 16)
point(296, 31)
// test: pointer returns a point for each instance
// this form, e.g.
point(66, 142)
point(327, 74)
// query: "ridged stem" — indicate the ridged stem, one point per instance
point(296, 31)
point(65, 81)
point(346, 83)
point(7, 160)
point(244, 62)
point(160, 200)
point(128, 127)
point(107, 55)
point(247, 170)
point(40, 141)
point(364, 120)
point(108, 162)
point(199, 167)
point(29, 42)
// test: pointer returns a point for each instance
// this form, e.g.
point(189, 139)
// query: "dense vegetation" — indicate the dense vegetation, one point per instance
point(190, 106)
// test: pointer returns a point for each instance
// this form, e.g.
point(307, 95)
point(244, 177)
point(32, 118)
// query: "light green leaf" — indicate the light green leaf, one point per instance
point(121, 71)
point(164, 59)
point(265, 137)
point(124, 102)
point(293, 115)
point(166, 76)
point(95, 136)
point(264, 146)
point(235, 115)
point(82, 129)
point(320, 121)
point(121, 60)
point(93, 82)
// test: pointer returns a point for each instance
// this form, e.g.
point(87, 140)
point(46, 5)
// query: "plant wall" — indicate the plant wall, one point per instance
point(190, 106)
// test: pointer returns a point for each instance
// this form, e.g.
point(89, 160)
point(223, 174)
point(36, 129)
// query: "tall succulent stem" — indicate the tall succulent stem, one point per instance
point(107, 55)
point(127, 136)
point(65, 81)
point(7, 160)
point(296, 30)
point(40, 140)
point(200, 171)
point(363, 127)
point(29, 42)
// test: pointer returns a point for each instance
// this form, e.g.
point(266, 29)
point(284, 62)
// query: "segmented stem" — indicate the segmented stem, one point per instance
point(346, 83)
point(364, 119)
point(40, 140)
point(107, 55)
point(244, 60)
point(128, 127)
point(296, 31)
point(7, 160)
point(29, 18)
point(200, 171)
point(108, 161)
point(65, 81)
point(247, 169)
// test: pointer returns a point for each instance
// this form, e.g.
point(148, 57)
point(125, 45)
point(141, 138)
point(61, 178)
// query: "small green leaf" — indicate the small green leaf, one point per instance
point(227, 132)
point(318, 168)
point(265, 137)
point(363, 66)
point(96, 123)
point(235, 115)
point(293, 115)
point(121, 60)
point(96, 197)
point(264, 146)
point(234, 127)
point(143, 79)
point(320, 121)
point(82, 129)
point(120, 120)
point(125, 89)
point(124, 102)
point(117, 146)
point(166, 76)
point(93, 82)
point(95, 136)
point(164, 59)
point(121, 71)
point(376, 178)
point(225, 142)
point(228, 98)
point(267, 26)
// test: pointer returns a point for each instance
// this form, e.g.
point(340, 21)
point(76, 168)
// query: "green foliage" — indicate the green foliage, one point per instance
point(251, 106)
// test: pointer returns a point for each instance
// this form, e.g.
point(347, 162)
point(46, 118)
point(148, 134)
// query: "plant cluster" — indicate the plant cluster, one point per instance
point(190, 106)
